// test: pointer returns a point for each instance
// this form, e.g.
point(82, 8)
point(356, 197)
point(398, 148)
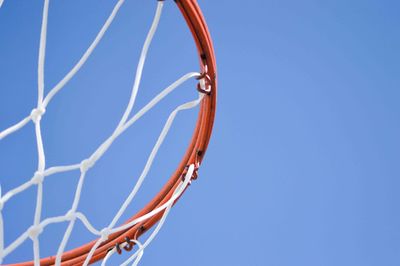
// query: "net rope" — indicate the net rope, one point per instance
point(127, 120)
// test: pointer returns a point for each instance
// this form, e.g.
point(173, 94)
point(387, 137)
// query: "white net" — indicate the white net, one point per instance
point(127, 120)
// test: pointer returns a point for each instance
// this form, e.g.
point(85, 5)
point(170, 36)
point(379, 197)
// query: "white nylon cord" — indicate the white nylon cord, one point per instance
point(146, 169)
point(42, 173)
point(78, 215)
point(42, 53)
point(142, 59)
point(59, 169)
point(85, 56)
point(153, 153)
point(70, 74)
point(36, 117)
point(15, 127)
point(166, 207)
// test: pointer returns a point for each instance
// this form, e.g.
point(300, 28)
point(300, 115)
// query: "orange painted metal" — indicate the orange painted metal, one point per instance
point(194, 153)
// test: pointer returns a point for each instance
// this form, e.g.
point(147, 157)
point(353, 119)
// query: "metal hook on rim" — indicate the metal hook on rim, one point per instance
point(129, 244)
point(204, 85)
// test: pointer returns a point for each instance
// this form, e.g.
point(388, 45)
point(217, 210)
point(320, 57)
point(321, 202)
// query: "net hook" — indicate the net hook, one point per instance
point(129, 244)
point(204, 85)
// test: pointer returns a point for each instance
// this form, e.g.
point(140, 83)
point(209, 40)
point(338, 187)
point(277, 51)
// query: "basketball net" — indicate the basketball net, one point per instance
point(83, 166)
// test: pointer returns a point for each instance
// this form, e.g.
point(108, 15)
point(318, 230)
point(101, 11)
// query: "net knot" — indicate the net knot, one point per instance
point(104, 233)
point(70, 215)
point(37, 178)
point(37, 114)
point(86, 165)
point(34, 231)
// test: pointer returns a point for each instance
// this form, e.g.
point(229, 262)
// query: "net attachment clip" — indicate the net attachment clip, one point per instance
point(195, 174)
point(129, 243)
point(204, 85)
point(126, 245)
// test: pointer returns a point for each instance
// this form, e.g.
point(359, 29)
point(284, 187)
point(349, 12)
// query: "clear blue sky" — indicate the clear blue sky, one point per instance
point(303, 167)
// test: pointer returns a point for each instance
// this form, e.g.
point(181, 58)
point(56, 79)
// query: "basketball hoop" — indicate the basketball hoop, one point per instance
point(118, 238)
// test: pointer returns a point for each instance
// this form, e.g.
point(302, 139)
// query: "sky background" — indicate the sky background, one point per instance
point(303, 166)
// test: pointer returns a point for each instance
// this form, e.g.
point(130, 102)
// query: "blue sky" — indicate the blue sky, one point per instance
point(303, 165)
